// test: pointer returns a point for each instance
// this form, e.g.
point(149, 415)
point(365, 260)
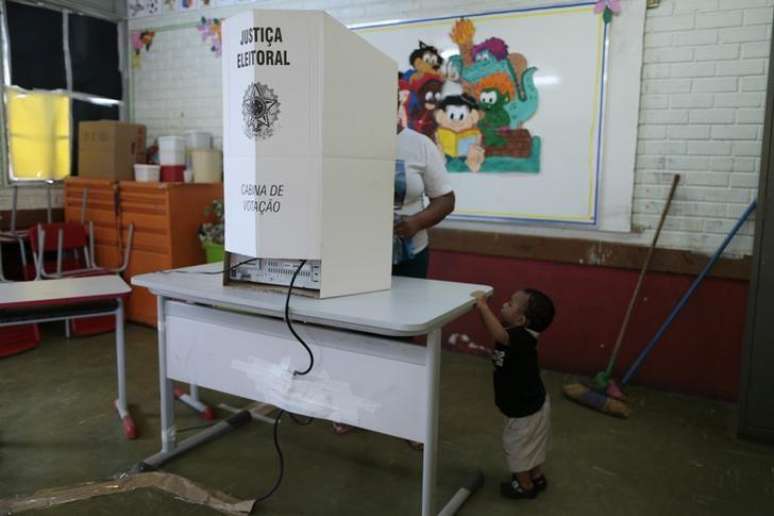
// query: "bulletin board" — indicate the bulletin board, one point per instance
point(538, 150)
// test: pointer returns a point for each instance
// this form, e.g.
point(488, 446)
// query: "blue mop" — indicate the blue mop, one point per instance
point(635, 367)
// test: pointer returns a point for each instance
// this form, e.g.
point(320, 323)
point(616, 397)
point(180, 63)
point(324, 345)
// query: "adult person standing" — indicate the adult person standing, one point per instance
point(420, 172)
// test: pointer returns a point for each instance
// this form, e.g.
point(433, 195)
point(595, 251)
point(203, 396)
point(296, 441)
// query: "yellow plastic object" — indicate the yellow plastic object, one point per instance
point(38, 134)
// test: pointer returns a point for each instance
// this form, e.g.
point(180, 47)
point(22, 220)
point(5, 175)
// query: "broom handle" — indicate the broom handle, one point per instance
point(644, 269)
point(635, 367)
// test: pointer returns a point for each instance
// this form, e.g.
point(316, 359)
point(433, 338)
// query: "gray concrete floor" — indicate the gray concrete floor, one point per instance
point(676, 455)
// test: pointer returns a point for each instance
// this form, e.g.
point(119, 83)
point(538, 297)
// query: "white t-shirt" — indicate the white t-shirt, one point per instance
point(425, 175)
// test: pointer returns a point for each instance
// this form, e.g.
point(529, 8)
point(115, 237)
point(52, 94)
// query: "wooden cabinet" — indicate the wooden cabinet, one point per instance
point(166, 218)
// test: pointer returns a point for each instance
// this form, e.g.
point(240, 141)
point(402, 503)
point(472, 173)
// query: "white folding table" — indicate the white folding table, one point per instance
point(233, 339)
point(26, 302)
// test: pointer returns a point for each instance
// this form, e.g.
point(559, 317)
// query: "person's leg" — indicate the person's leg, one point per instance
point(524, 479)
point(414, 268)
point(341, 428)
point(520, 484)
point(543, 441)
point(538, 478)
point(519, 487)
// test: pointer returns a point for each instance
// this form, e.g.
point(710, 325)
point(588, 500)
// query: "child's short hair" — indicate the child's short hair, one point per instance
point(540, 310)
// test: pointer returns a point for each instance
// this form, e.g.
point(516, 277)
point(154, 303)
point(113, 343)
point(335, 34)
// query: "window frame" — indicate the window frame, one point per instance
point(6, 177)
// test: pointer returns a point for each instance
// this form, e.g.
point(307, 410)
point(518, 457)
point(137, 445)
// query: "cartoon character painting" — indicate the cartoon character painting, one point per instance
point(427, 95)
point(475, 103)
point(458, 136)
point(425, 61)
point(210, 29)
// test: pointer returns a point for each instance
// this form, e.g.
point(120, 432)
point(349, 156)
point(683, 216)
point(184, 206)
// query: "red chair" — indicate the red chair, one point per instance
point(15, 339)
point(73, 245)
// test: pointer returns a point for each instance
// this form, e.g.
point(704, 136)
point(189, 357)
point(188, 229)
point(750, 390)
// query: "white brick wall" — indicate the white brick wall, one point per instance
point(31, 197)
point(701, 116)
point(703, 92)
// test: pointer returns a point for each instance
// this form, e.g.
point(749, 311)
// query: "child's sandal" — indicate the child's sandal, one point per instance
point(514, 491)
point(540, 483)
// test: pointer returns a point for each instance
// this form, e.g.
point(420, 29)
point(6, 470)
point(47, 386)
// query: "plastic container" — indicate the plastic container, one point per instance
point(195, 140)
point(198, 140)
point(146, 173)
point(172, 173)
point(214, 252)
point(207, 165)
point(171, 150)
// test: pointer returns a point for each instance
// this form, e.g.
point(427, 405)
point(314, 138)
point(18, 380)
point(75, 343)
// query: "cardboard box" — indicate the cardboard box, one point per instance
point(309, 147)
point(108, 149)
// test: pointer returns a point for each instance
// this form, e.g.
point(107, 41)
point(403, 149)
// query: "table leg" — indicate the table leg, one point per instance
point(167, 407)
point(121, 404)
point(433, 369)
point(192, 400)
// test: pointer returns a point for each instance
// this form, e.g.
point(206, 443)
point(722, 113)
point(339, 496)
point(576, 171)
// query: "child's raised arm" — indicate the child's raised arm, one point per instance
point(489, 319)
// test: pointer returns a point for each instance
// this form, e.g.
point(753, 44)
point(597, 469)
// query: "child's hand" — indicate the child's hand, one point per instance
point(479, 296)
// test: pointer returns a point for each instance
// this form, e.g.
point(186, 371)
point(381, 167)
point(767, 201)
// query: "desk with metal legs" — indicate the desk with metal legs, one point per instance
point(232, 339)
point(28, 302)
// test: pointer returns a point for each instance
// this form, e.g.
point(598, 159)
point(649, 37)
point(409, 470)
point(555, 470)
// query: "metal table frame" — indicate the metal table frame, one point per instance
point(206, 292)
point(65, 299)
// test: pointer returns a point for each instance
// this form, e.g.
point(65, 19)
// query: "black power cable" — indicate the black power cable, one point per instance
point(281, 465)
point(282, 412)
point(290, 324)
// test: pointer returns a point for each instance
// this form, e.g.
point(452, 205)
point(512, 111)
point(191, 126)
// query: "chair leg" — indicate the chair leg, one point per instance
point(38, 257)
point(59, 251)
point(2, 276)
point(91, 244)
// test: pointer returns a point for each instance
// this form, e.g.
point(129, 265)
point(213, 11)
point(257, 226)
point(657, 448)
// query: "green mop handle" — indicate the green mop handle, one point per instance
point(644, 269)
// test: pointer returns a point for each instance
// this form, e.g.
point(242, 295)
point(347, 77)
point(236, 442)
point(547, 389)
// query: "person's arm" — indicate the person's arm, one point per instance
point(436, 210)
point(437, 188)
point(489, 319)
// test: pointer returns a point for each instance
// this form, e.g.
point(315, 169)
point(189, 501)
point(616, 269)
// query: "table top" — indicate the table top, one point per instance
point(22, 294)
point(411, 307)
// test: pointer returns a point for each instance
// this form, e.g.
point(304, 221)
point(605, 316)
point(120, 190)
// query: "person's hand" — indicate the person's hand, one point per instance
point(479, 296)
point(406, 227)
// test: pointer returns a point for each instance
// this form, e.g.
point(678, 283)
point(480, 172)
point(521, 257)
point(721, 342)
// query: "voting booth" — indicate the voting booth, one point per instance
point(309, 134)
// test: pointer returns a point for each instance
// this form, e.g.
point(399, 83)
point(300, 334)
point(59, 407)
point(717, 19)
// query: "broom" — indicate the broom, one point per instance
point(601, 380)
point(604, 395)
point(599, 401)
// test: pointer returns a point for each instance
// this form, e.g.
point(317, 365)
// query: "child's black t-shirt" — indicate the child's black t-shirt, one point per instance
point(519, 390)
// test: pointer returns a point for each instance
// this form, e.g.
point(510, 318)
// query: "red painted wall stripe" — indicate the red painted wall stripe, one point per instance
point(700, 354)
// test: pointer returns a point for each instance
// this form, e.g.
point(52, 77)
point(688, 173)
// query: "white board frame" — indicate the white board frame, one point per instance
point(617, 119)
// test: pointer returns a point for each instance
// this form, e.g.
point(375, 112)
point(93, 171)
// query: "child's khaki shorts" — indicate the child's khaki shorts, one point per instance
point(526, 439)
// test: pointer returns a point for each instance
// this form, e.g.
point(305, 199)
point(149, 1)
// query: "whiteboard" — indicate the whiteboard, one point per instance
point(568, 47)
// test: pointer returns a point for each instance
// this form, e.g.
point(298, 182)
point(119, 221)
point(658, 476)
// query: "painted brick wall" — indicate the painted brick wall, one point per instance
point(703, 92)
point(701, 115)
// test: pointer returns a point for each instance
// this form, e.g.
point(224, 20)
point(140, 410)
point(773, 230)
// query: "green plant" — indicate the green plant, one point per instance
point(213, 230)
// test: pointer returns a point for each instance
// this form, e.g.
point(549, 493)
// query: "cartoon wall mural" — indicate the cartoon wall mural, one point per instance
point(140, 40)
point(475, 103)
point(210, 29)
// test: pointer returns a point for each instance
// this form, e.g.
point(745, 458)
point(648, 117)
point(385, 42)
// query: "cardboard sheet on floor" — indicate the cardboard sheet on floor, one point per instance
point(175, 485)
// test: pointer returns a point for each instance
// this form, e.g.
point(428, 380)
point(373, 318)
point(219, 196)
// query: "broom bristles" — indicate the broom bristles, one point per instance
point(592, 399)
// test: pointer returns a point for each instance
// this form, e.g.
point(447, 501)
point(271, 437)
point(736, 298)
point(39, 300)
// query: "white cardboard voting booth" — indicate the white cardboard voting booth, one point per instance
point(309, 116)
